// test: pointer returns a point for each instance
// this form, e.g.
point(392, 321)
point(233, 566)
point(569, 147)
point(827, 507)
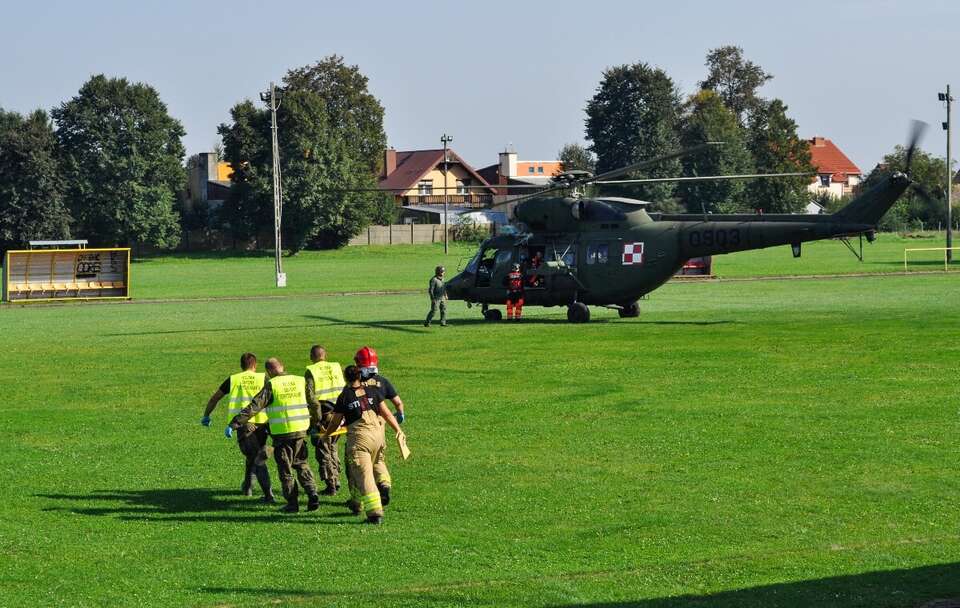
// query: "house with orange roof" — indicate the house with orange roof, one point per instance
point(837, 175)
point(512, 171)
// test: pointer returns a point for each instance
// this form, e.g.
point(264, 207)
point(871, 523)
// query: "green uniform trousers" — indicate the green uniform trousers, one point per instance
point(328, 459)
point(434, 305)
point(291, 455)
point(252, 439)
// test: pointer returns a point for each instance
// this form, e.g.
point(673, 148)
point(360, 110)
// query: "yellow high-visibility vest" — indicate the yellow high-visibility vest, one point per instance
point(328, 380)
point(243, 387)
point(288, 413)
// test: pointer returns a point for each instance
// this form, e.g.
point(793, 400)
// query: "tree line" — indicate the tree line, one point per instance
point(638, 113)
point(108, 164)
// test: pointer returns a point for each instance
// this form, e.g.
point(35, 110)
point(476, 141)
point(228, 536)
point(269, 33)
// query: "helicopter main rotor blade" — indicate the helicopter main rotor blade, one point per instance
point(702, 178)
point(643, 164)
point(917, 127)
point(616, 172)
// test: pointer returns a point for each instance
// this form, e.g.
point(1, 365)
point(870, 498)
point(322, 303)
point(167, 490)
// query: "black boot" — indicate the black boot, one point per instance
point(384, 494)
point(290, 507)
point(313, 502)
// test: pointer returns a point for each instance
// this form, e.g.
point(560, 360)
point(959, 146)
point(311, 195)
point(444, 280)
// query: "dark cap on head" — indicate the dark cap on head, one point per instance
point(439, 269)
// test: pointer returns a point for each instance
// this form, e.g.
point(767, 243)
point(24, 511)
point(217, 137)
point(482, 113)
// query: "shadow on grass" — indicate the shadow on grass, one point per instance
point(911, 587)
point(724, 322)
point(907, 587)
point(187, 505)
point(407, 325)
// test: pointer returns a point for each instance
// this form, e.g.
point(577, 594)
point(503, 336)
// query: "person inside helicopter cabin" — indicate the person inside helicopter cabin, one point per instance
point(514, 284)
point(533, 280)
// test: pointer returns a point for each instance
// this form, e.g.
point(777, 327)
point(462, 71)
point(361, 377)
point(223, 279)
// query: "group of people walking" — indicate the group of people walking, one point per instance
point(321, 405)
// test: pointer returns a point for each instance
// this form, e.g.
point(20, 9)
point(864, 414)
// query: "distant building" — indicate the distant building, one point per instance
point(416, 178)
point(836, 174)
point(208, 178)
point(511, 171)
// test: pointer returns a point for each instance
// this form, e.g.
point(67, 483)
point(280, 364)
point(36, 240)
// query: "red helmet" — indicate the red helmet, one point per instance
point(366, 357)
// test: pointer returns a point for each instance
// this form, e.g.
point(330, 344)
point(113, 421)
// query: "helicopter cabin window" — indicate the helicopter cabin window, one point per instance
point(425, 187)
point(597, 254)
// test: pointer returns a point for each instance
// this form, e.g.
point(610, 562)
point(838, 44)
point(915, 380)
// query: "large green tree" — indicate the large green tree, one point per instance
point(575, 157)
point(706, 119)
point(331, 139)
point(930, 173)
point(776, 148)
point(633, 117)
point(246, 147)
point(31, 188)
point(122, 158)
point(735, 79)
point(354, 114)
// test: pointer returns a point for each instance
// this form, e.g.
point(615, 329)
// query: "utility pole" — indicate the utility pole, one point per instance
point(273, 97)
point(446, 139)
point(946, 127)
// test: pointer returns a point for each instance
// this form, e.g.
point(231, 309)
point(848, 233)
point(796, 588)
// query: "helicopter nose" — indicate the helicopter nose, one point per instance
point(457, 286)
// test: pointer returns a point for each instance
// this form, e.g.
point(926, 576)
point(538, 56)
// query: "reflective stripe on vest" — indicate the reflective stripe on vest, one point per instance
point(328, 380)
point(243, 387)
point(288, 412)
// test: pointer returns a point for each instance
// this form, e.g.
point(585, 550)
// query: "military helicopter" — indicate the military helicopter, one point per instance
point(610, 252)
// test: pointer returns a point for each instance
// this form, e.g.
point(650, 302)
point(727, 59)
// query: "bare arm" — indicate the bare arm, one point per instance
point(214, 400)
point(398, 403)
point(387, 415)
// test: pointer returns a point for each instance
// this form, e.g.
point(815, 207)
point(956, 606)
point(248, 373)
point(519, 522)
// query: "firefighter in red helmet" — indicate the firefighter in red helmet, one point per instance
point(514, 293)
point(368, 362)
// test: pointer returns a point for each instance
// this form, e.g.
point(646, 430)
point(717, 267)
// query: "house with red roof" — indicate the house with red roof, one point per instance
point(416, 178)
point(837, 175)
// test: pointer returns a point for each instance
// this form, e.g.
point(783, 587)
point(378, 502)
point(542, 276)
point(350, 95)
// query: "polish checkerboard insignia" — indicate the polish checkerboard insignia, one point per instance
point(632, 253)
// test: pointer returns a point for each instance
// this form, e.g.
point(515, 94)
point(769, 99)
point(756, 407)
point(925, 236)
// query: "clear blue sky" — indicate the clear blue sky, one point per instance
point(492, 73)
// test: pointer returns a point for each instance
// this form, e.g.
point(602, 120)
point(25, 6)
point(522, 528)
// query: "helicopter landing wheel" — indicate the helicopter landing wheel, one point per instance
point(578, 313)
point(492, 314)
point(629, 311)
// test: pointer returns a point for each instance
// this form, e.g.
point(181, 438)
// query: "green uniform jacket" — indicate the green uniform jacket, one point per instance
point(436, 289)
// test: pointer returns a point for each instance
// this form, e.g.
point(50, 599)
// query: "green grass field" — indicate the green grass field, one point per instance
point(406, 267)
point(763, 443)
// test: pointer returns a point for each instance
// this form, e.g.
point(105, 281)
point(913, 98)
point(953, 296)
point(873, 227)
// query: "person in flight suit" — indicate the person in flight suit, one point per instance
point(362, 407)
point(284, 398)
point(252, 437)
point(438, 298)
point(324, 383)
point(514, 282)
point(367, 360)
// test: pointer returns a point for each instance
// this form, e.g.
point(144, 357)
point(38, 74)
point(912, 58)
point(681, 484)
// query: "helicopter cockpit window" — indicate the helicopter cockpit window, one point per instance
point(472, 264)
point(598, 254)
point(570, 258)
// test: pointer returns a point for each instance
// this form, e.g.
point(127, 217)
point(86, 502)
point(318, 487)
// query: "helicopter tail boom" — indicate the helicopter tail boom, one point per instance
point(870, 206)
